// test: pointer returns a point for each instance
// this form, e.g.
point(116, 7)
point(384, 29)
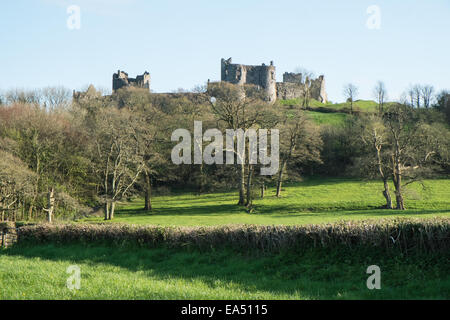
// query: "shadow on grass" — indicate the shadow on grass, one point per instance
point(205, 210)
point(274, 210)
point(316, 274)
point(375, 213)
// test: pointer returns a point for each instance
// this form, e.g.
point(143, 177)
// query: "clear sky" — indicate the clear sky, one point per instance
point(181, 42)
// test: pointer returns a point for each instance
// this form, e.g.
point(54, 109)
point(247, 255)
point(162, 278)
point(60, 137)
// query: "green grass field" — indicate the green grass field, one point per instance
point(309, 202)
point(127, 272)
point(358, 105)
point(333, 118)
point(39, 272)
point(321, 118)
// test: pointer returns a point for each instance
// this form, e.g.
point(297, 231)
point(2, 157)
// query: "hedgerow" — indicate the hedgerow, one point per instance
point(405, 235)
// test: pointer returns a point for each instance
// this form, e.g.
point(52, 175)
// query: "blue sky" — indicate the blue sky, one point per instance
point(181, 42)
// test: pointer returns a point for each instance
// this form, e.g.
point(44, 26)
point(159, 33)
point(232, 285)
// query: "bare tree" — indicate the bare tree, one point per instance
point(22, 96)
point(380, 95)
point(152, 134)
point(238, 107)
point(410, 96)
point(414, 144)
point(427, 95)
point(375, 136)
point(443, 103)
point(417, 95)
point(16, 184)
point(300, 141)
point(350, 92)
point(55, 97)
point(50, 204)
point(118, 142)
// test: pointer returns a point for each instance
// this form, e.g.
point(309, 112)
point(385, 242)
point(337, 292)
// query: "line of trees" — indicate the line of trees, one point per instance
point(66, 159)
point(402, 148)
point(420, 95)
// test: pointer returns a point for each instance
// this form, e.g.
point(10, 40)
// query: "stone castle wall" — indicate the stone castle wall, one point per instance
point(293, 85)
point(8, 234)
point(287, 90)
point(121, 80)
point(240, 74)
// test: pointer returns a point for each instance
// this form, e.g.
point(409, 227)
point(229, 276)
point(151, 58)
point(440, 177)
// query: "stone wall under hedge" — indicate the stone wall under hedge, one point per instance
point(8, 234)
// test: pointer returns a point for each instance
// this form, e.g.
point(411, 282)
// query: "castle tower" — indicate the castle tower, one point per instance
point(262, 76)
point(121, 80)
point(269, 82)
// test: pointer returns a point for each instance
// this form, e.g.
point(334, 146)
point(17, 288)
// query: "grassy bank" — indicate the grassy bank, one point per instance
point(321, 118)
point(358, 105)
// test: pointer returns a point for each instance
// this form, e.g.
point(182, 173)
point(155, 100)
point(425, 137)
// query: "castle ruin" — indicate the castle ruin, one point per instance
point(121, 80)
point(263, 76)
point(294, 85)
point(90, 93)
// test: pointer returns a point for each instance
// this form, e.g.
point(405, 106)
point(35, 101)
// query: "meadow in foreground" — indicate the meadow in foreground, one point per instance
point(309, 202)
point(39, 272)
point(128, 272)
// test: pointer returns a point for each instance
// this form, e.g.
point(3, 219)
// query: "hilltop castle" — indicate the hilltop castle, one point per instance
point(121, 80)
point(264, 76)
point(294, 85)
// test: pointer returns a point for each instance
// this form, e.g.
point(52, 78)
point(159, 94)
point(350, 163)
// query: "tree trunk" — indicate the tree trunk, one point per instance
point(111, 211)
point(50, 205)
point(400, 200)
point(381, 108)
point(398, 194)
point(249, 186)
point(106, 210)
point(148, 193)
point(22, 210)
point(398, 179)
point(242, 186)
point(386, 191)
point(263, 187)
point(280, 178)
point(387, 194)
point(201, 185)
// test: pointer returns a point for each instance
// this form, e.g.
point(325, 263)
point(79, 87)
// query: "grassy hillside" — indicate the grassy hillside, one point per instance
point(312, 201)
point(298, 102)
point(358, 105)
point(321, 118)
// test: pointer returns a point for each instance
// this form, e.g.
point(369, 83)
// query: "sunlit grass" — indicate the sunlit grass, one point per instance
point(323, 118)
point(126, 272)
point(312, 201)
point(358, 105)
point(39, 272)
